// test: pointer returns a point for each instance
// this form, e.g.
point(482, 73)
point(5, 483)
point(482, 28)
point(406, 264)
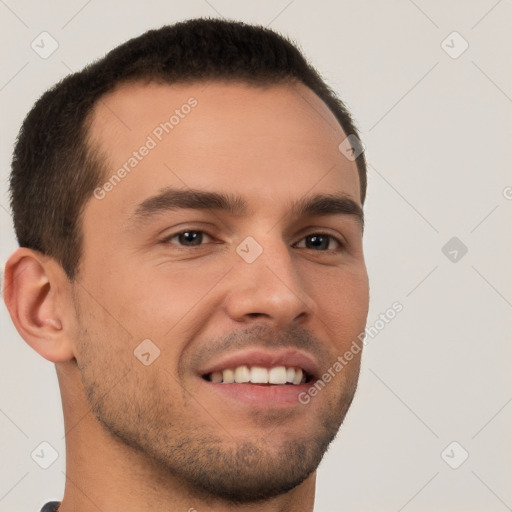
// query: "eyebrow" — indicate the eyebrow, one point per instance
point(328, 204)
point(174, 199)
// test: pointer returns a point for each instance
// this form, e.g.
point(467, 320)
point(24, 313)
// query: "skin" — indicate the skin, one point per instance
point(127, 423)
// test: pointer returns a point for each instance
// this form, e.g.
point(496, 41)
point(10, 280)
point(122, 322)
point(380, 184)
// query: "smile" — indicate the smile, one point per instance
point(276, 375)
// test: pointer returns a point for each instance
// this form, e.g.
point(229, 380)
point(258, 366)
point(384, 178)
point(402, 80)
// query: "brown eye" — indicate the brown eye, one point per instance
point(319, 242)
point(188, 238)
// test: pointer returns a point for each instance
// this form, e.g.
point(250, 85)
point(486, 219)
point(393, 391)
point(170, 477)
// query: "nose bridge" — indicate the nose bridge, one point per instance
point(267, 283)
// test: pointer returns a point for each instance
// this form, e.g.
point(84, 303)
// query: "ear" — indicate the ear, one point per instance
point(35, 289)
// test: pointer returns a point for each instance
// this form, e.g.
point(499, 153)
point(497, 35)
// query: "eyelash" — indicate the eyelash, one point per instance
point(340, 243)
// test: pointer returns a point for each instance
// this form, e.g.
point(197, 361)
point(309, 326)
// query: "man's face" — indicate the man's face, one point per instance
point(160, 266)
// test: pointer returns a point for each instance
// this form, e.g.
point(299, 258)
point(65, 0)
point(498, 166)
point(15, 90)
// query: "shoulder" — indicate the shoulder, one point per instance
point(51, 506)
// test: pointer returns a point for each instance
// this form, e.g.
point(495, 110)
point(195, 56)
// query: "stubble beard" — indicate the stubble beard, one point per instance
point(207, 461)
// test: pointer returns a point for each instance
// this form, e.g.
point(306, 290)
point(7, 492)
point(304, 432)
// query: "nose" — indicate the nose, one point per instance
point(270, 289)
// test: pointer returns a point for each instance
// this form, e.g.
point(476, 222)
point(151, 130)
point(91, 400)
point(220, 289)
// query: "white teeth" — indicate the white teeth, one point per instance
point(259, 375)
point(298, 376)
point(277, 375)
point(242, 374)
point(228, 376)
point(216, 377)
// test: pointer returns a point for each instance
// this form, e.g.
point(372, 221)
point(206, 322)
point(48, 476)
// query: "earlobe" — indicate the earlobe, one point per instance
point(33, 288)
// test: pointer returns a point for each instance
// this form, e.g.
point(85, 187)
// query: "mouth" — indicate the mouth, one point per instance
point(273, 376)
point(261, 378)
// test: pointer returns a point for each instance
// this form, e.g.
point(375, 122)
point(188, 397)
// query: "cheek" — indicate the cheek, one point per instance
point(342, 296)
point(159, 301)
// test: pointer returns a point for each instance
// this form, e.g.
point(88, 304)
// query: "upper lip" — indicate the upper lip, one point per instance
point(266, 358)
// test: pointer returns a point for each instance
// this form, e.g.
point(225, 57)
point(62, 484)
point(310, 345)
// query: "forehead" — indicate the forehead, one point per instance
point(262, 142)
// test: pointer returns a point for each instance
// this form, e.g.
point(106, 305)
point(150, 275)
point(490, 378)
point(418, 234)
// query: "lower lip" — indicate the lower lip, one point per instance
point(269, 396)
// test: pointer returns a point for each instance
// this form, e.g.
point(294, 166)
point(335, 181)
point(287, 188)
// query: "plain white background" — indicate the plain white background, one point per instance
point(437, 126)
